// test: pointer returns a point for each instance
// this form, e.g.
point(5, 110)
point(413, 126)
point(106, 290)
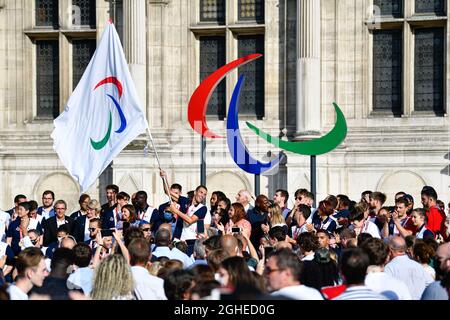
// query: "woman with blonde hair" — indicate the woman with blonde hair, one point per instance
point(276, 218)
point(113, 280)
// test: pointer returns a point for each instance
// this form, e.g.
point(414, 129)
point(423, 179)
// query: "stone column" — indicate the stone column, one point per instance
point(135, 45)
point(308, 69)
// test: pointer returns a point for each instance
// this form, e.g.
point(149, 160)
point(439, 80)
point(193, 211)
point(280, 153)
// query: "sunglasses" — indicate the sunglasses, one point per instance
point(146, 229)
point(92, 229)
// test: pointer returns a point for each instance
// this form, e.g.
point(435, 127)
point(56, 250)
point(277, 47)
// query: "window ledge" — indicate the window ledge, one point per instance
point(42, 33)
point(384, 114)
point(80, 33)
point(207, 27)
point(427, 114)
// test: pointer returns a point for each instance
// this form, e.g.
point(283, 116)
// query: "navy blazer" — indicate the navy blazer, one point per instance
point(108, 219)
point(51, 229)
point(78, 228)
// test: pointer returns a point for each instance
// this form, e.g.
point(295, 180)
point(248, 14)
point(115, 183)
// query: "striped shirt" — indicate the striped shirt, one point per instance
point(360, 293)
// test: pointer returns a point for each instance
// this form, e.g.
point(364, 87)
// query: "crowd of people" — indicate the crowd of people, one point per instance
point(245, 248)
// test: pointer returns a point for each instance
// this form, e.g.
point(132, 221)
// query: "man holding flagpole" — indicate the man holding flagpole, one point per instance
point(102, 116)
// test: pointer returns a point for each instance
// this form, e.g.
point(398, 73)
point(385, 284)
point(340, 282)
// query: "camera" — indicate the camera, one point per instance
point(236, 230)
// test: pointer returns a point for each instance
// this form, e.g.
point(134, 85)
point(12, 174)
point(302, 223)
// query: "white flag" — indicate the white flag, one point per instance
point(102, 116)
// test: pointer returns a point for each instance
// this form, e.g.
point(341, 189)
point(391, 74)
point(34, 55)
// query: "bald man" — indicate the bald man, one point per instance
point(230, 244)
point(436, 291)
point(244, 197)
point(404, 269)
point(68, 242)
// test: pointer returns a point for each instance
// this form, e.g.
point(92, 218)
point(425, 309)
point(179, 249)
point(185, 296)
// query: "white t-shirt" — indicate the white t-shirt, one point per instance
point(16, 294)
point(299, 292)
point(34, 222)
point(146, 286)
point(5, 219)
point(382, 283)
point(208, 218)
point(371, 228)
point(190, 231)
point(82, 278)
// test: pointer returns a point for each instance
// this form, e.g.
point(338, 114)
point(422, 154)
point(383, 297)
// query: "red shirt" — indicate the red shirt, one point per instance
point(436, 220)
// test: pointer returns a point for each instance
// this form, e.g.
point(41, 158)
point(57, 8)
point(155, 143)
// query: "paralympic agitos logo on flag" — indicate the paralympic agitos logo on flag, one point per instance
point(238, 151)
point(98, 145)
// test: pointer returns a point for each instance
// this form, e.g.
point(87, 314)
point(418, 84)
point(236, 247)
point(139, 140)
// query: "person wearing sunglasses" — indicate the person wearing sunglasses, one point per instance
point(81, 225)
point(95, 225)
point(144, 226)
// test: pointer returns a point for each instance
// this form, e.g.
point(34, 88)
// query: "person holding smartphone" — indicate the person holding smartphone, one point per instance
point(238, 222)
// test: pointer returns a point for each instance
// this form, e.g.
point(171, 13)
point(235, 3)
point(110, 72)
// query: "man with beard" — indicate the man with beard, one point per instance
point(257, 217)
point(111, 192)
point(143, 210)
point(46, 210)
point(377, 199)
point(191, 223)
point(436, 217)
point(400, 223)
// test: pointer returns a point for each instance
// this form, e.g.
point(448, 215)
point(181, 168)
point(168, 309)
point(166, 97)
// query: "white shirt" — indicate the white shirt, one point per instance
point(82, 278)
point(87, 234)
point(381, 282)
point(371, 228)
point(5, 219)
point(296, 230)
point(47, 214)
point(174, 254)
point(146, 286)
point(60, 222)
point(360, 293)
point(147, 216)
point(189, 232)
point(16, 294)
point(411, 273)
point(34, 222)
point(208, 218)
point(309, 257)
point(299, 292)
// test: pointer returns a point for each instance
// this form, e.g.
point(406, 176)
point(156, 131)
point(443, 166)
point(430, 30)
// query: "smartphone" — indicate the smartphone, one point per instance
point(236, 230)
point(125, 225)
point(107, 232)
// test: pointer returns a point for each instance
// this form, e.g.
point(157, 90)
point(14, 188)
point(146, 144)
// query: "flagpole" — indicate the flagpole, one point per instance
point(165, 183)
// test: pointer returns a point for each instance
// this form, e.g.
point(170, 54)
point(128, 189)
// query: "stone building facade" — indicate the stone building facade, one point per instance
point(383, 62)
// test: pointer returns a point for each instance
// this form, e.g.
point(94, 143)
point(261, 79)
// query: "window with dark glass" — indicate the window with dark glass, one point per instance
point(84, 13)
point(393, 8)
point(252, 94)
point(118, 18)
point(83, 50)
point(430, 6)
point(387, 71)
point(212, 11)
point(47, 13)
point(212, 57)
point(252, 10)
point(429, 70)
point(47, 84)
